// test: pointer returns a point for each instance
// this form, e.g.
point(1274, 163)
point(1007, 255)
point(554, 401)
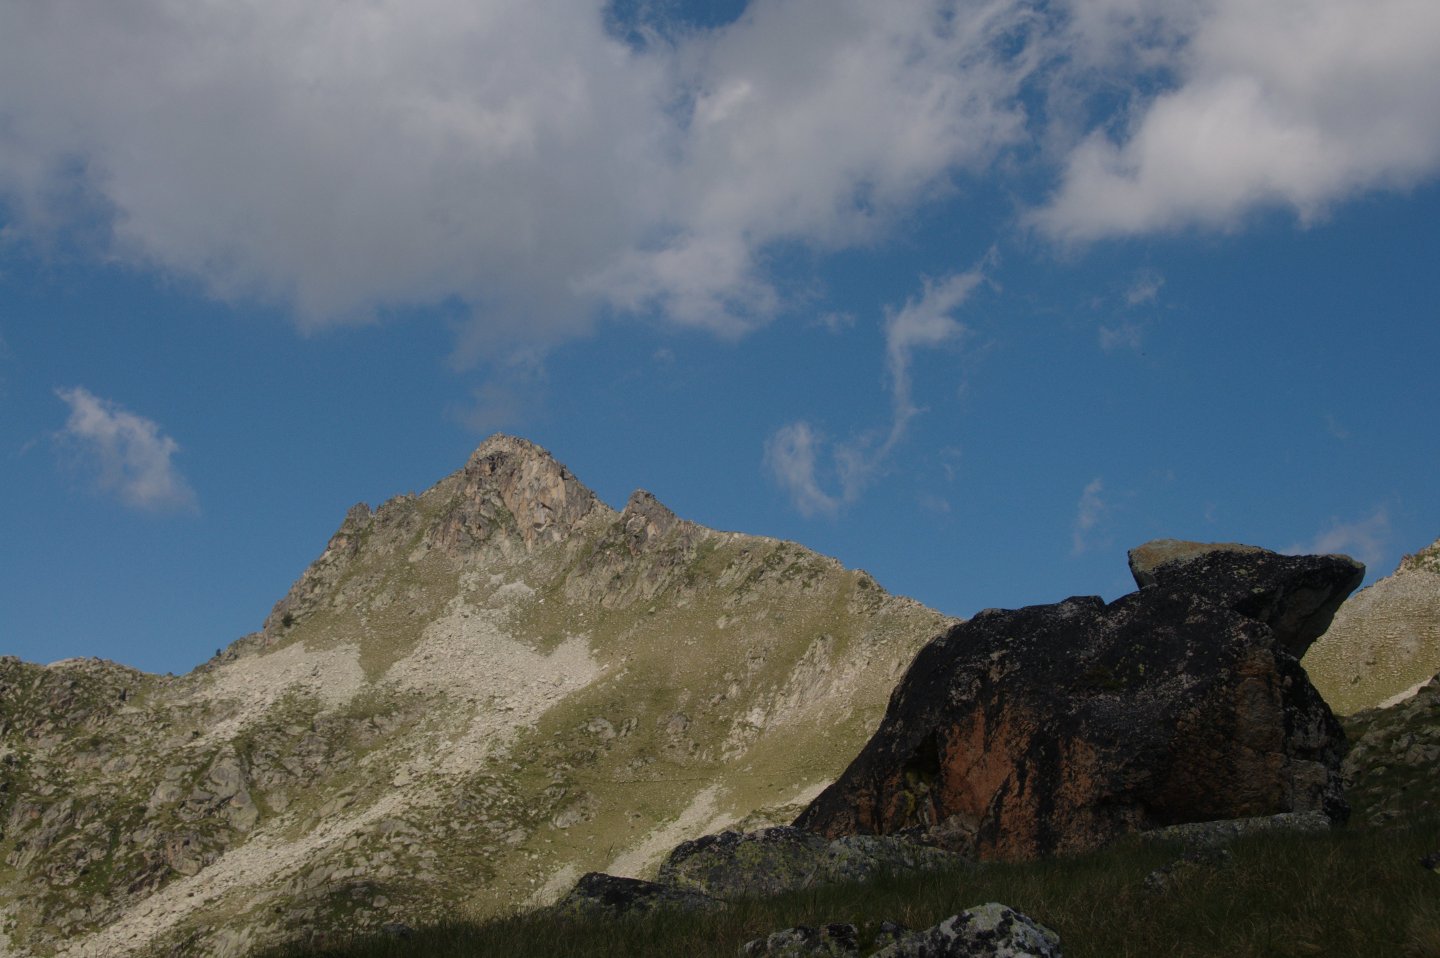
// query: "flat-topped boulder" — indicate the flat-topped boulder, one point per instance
point(1059, 727)
point(1297, 596)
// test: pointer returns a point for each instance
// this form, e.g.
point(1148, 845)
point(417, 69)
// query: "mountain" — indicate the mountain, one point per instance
point(470, 698)
point(1385, 641)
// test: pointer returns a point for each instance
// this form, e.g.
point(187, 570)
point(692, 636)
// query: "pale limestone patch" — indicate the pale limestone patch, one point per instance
point(559, 882)
point(505, 685)
point(513, 592)
point(1404, 696)
point(254, 683)
point(701, 817)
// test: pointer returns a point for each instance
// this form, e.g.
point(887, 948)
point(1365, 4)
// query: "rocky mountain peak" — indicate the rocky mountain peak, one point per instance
point(1426, 560)
point(512, 482)
point(646, 517)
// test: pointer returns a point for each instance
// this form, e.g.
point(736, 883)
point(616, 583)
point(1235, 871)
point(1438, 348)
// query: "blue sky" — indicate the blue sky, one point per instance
point(973, 295)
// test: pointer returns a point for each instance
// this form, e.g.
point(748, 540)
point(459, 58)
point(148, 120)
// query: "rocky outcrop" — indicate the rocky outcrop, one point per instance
point(1390, 768)
point(732, 865)
point(597, 895)
point(1057, 728)
point(992, 930)
point(1385, 641)
point(1296, 596)
point(512, 486)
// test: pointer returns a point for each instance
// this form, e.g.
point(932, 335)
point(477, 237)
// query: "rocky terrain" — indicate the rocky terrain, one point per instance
point(1385, 641)
point(1058, 728)
point(472, 697)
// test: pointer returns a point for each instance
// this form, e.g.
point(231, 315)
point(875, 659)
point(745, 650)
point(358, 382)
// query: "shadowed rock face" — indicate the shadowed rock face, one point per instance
point(1059, 727)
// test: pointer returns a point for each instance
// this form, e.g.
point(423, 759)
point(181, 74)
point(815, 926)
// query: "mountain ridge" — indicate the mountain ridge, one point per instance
point(469, 697)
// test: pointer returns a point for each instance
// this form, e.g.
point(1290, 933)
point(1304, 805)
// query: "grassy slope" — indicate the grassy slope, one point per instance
point(1358, 892)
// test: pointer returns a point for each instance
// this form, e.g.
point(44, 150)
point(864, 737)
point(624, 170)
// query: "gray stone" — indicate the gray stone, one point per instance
point(1223, 831)
point(991, 930)
point(610, 896)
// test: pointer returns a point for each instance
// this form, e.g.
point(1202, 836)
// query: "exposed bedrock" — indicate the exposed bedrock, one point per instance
point(1059, 727)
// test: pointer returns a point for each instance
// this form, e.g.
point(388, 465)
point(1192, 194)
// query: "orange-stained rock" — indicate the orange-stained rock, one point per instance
point(1057, 728)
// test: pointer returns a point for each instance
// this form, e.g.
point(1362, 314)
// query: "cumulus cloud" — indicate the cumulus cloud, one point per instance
point(796, 452)
point(1366, 539)
point(521, 157)
point(1292, 104)
point(124, 454)
point(540, 164)
point(1089, 512)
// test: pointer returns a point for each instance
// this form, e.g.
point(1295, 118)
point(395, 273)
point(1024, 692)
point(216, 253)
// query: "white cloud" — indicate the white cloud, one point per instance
point(790, 455)
point(795, 451)
point(1144, 288)
point(125, 454)
point(1123, 335)
point(1276, 103)
point(1366, 539)
point(513, 155)
point(1089, 512)
point(835, 323)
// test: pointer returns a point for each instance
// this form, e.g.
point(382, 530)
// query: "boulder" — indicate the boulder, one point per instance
point(990, 931)
point(1059, 727)
point(1296, 596)
point(836, 940)
point(610, 896)
point(772, 861)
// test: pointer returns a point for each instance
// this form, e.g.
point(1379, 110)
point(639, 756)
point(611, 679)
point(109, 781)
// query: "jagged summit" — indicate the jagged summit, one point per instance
point(504, 444)
point(647, 518)
point(472, 696)
point(1426, 560)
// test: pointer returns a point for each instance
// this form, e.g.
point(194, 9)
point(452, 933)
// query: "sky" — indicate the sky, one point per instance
point(972, 294)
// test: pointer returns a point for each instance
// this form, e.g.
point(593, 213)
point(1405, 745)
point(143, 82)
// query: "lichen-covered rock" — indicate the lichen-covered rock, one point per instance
point(1059, 727)
point(774, 860)
point(610, 896)
point(1296, 596)
point(992, 930)
point(835, 940)
point(1217, 833)
point(750, 864)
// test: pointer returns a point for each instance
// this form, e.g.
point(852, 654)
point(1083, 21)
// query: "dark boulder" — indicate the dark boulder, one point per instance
point(772, 861)
point(1059, 727)
point(1297, 596)
point(610, 896)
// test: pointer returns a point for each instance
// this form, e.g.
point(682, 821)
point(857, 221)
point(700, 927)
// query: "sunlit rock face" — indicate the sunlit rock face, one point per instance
point(1058, 727)
point(1385, 641)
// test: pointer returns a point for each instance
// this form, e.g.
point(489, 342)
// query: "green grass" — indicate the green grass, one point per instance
point(1356, 892)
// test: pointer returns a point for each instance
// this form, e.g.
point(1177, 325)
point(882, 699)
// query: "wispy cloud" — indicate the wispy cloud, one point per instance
point(1123, 335)
point(1089, 513)
point(124, 454)
point(796, 454)
point(835, 322)
point(1145, 288)
point(791, 455)
point(1367, 539)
